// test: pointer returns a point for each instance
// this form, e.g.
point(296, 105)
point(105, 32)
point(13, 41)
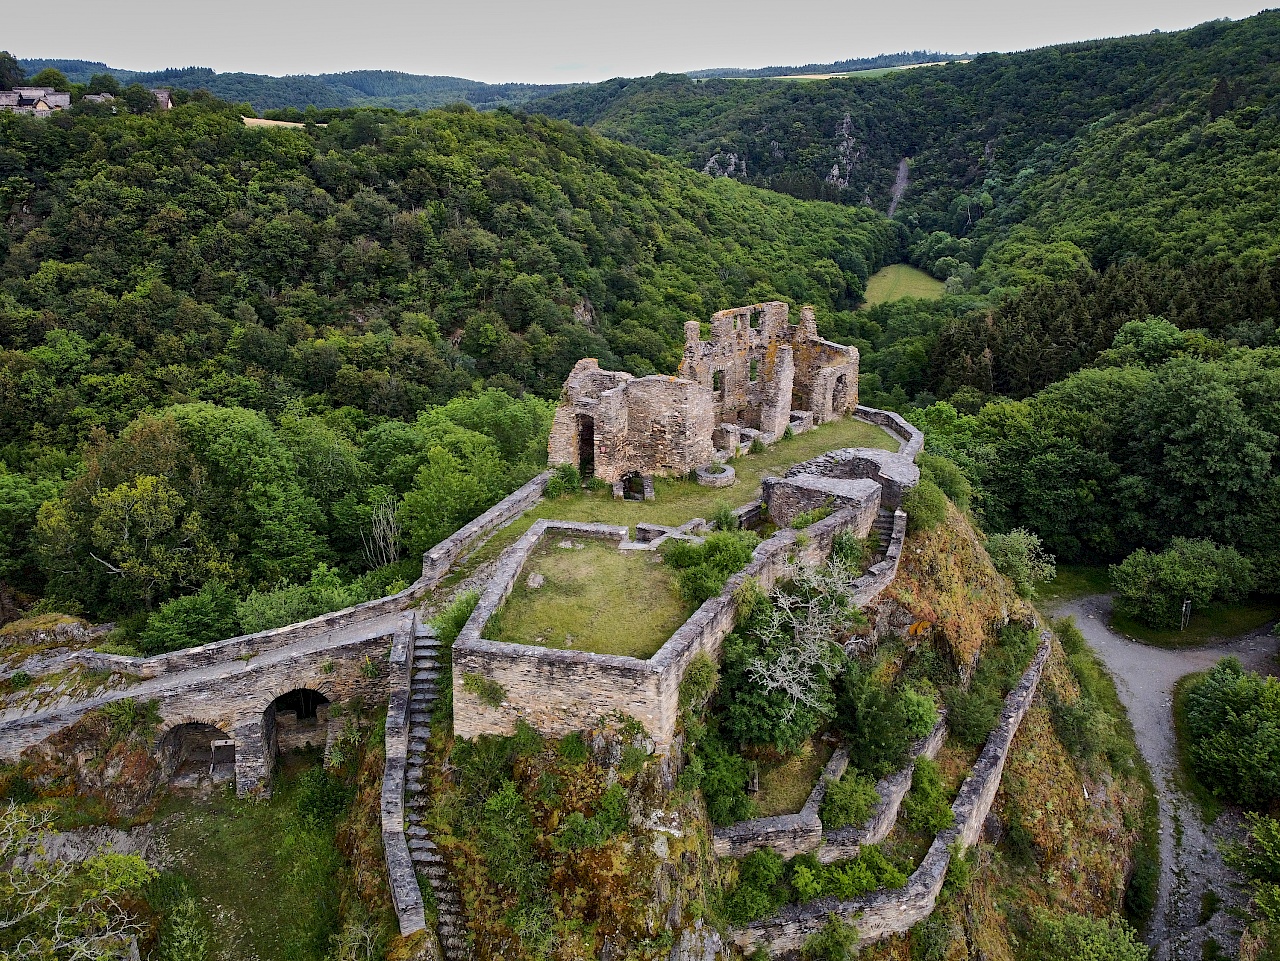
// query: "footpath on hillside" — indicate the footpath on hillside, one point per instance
point(1192, 872)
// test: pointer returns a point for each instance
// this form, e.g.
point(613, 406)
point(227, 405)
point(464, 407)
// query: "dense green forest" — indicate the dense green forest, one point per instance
point(1021, 165)
point(354, 88)
point(243, 339)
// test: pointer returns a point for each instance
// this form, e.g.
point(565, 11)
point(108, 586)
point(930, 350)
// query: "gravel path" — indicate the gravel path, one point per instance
point(1191, 864)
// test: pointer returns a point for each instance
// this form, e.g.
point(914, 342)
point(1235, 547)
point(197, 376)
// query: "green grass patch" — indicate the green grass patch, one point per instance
point(1210, 807)
point(898, 281)
point(594, 598)
point(265, 873)
point(787, 783)
point(1216, 622)
point(1072, 582)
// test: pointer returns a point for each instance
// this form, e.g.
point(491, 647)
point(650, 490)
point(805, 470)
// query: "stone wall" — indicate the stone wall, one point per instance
point(896, 424)
point(789, 497)
point(885, 913)
point(405, 893)
point(895, 472)
point(562, 691)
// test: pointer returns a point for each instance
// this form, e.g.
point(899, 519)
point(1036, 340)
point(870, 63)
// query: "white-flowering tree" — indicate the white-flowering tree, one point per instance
point(57, 909)
point(802, 634)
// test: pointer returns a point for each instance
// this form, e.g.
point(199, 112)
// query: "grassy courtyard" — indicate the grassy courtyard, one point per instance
point(595, 598)
point(677, 499)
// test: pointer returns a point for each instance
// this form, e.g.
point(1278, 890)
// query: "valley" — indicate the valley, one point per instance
point(694, 517)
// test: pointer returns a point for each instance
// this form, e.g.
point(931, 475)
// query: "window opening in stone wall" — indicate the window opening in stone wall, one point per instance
point(586, 446)
point(717, 382)
point(633, 487)
point(753, 321)
point(754, 375)
point(303, 702)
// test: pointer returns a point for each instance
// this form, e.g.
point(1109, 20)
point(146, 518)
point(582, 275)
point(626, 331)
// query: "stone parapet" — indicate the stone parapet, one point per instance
point(405, 893)
point(912, 441)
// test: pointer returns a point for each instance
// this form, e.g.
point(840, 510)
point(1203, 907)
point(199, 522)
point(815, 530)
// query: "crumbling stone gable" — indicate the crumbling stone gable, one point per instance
point(758, 372)
point(761, 367)
point(614, 424)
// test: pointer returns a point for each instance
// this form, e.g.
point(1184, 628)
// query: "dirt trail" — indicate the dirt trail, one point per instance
point(1191, 864)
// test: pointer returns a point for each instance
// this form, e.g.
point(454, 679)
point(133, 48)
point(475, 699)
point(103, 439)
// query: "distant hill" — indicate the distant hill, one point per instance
point(358, 88)
point(906, 58)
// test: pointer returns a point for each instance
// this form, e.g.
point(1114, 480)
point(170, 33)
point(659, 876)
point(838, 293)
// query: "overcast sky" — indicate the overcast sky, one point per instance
point(556, 41)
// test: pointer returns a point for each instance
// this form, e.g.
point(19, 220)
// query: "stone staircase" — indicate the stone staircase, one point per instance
point(882, 527)
point(426, 859)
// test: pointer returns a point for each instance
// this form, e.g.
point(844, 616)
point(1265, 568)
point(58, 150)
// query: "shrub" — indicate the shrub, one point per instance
point(573, 748)
point(19, 679)
point(950, 479)
point(926, 506)
point(972, 714)
point(760, 890)
point(450, 622)
point(757, 446)
point(724, 519)
point(873, 723)
point(1021, 558)
point(919, 712)
point(128, 715)
point(565, 480)
point(925, 807)
point(1151, 588)
point(854, 551)
point(1258, 858)
point(837, 941)
point(507, 837)
point(850, 800)
point(705, 568)
point(289, 603)
point(1073, 937)
point(699, 681)
point(321, 797)
point(806, 518)
point(724, 783)
point(1233, 722)
point(191, 621)
point(579, 832)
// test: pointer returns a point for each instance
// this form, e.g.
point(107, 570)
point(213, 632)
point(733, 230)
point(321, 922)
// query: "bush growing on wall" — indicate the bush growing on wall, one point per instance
point(1151, 587)
point(704, 568)
point(850, 800)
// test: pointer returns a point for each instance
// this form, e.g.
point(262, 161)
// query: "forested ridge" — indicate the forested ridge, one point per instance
point(1021, 165)
point(245, 337)
point(354, 88)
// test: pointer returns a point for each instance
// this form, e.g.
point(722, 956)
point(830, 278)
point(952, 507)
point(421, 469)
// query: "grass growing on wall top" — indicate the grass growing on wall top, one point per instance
point(898, 281)
point(595, 598)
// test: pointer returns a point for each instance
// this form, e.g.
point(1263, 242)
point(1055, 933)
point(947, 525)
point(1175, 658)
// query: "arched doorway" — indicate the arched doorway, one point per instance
point(298, 719)
point(194, 755)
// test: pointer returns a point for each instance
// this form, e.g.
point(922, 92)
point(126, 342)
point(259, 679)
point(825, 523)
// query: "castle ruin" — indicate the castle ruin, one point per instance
point(757, 375)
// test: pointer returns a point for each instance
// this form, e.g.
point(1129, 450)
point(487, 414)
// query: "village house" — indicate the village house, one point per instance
point(39, 101)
